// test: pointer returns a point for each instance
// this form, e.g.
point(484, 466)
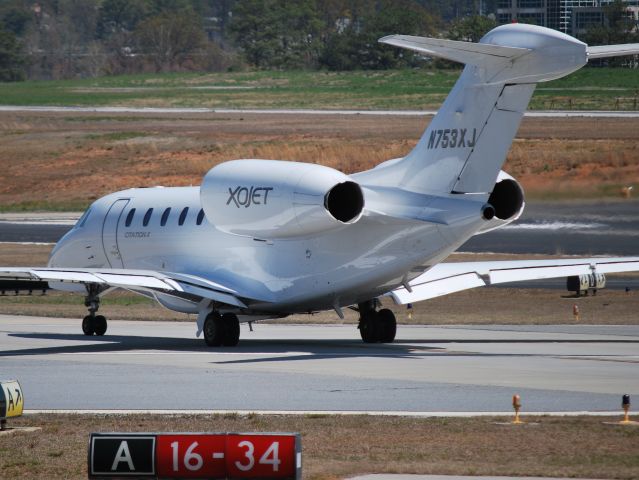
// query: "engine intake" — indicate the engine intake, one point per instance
point(270, 199)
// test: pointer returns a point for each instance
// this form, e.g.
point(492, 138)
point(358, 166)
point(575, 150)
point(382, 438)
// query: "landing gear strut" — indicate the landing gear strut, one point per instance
point(221, 330)
point(376, 326)
point(92, 323)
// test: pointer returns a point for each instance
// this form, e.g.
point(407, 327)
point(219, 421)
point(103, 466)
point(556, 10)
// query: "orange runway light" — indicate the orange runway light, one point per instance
point(517, 407)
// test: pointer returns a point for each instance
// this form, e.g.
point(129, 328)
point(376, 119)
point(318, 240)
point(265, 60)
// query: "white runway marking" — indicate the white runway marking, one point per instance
point(322, 412)
point(555, 226)
point(69, 223)
point(209, 353)
point(26, 243)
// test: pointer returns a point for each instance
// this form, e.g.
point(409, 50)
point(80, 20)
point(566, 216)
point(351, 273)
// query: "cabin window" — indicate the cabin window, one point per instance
point(183, 215)
point(165, 216)
point(147, 217)
point(129, 217)
point(200, 217)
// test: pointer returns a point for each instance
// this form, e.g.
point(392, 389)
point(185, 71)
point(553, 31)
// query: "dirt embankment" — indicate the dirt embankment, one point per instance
point(55, 160)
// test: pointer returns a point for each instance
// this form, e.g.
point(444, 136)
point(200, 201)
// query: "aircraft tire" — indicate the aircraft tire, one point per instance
point(213, 330)
point(100, 325)
point(369, 327)
point(388, 325)
point(88, 325)
point(231, 330)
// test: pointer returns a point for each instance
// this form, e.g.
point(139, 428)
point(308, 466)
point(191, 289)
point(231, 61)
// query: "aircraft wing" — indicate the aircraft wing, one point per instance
point(605, 51)
point(176, 284)
point(446, 278)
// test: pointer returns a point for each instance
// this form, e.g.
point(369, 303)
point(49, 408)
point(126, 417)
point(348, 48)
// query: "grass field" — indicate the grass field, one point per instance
point(339, 447)
point(591, 88)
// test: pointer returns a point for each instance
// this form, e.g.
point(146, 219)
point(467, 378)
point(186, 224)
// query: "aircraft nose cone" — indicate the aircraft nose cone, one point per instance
point(57, 254)
point(65, 252)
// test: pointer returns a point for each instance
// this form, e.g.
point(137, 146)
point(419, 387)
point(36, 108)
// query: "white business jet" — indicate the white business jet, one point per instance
point(264, 239)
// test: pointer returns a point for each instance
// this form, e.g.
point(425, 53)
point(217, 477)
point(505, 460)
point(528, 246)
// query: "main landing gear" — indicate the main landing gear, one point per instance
point(92, 323)
point(376, 326)
point(221, 330)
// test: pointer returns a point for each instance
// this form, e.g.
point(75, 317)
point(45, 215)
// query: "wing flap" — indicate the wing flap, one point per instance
point(437, 288)
point(136, 280)
point(62, 276)
point(446, 278)
point(213, 295)
point(128, 281)
point(12, 273)
point(615, 266)
point(536, 273)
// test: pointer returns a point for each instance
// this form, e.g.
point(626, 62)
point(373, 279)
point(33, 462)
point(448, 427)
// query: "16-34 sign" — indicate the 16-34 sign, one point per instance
point(195, 455)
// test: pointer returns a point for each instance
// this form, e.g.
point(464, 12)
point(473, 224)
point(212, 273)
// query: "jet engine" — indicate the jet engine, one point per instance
point(507, 201)
point(270, 199)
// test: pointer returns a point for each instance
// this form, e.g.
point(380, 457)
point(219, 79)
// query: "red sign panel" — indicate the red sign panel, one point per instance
point(261, 456)
point(274, 456)
point(191, 456)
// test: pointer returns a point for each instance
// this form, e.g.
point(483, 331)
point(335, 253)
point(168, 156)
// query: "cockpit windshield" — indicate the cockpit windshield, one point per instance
point(82, 220)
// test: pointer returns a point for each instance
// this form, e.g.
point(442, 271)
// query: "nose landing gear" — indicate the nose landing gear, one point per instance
point(376, 326)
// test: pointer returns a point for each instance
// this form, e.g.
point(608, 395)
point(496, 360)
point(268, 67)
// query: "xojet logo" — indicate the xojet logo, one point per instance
point(248, 196)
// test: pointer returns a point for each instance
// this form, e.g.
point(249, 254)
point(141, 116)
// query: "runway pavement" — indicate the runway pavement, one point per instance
point(160, 365)
point(569, 228)
point(147, 365)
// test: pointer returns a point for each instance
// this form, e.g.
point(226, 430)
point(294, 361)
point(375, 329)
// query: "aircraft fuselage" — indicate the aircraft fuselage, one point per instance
point(338, 268)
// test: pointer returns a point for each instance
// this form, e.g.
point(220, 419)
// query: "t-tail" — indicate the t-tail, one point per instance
point(465, 145)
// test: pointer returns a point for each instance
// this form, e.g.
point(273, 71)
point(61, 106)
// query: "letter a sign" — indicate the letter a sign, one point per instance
point(123, 455)
point(126, 455)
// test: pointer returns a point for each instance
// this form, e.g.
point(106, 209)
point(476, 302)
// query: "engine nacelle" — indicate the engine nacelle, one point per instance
point(507, 201)
point(270, 199)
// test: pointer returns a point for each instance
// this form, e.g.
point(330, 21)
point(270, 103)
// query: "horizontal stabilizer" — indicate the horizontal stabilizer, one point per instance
point(462, 52)
point(605, 51)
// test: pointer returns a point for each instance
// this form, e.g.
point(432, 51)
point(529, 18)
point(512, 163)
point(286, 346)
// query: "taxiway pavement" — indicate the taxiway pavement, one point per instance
point(160, 365)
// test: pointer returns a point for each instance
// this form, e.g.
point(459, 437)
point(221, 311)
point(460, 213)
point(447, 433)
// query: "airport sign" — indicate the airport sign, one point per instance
point(195, 455)
point(11, 399)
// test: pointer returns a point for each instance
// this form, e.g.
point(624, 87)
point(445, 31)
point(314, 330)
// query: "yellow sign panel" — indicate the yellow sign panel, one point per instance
point(11, 399)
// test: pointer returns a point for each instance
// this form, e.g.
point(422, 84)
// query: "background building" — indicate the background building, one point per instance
point(568, 16)
point(525, 11)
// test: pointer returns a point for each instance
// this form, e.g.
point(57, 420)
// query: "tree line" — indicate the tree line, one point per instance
point(57, 39)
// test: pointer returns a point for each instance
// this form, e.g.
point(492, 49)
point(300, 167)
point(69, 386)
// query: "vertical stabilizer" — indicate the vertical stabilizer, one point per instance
point(465, 145)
